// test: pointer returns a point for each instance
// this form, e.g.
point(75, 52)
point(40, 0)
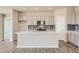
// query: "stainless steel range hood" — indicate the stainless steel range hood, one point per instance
point(41, 26)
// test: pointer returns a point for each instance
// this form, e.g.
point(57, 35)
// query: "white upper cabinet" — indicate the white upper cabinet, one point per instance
point(47, 20)
point(51, 20)
point(77, 15)
point(29, 20)
point(34, 22)
point(68, 16)
point(71, 15)
point(22, 16)
point(33, 17)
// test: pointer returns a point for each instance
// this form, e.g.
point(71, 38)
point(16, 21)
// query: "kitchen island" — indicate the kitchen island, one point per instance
point(37, 39)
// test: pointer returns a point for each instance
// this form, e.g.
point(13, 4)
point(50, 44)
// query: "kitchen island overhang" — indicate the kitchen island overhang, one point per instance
point(40, 39)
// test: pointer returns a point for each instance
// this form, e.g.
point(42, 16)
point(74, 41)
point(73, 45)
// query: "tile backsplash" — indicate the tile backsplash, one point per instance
point(32, 27)
point(73, 27)
point(48, 27)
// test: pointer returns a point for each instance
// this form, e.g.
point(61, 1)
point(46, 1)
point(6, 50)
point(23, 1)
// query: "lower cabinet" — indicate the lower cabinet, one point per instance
point(69, 36)
point(73, 38)
point(76, 40)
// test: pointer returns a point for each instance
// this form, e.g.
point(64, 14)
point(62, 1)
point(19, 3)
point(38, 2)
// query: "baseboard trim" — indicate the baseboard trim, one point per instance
point(37, 47)
point(73, 44)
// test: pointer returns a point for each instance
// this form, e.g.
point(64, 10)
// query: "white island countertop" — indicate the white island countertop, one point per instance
point(32, 32)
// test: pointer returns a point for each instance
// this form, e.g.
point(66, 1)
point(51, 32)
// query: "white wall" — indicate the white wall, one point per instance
point(5, 11)
point(60, 22)
point(15, 18)
point(23, 26)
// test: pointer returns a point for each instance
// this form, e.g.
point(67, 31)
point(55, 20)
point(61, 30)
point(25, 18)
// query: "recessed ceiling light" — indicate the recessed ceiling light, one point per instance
point(37, 8)
point(49, 8)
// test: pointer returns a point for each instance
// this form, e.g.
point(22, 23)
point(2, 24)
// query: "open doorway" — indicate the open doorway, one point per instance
point(7, 28)
point(1, 27)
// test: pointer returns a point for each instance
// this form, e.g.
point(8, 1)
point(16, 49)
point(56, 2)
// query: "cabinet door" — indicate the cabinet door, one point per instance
point(77, 15)
point(69, 37)
point(47, 20)
point(29, 22)
point(76, 40)
point(22, 16)
point(69, 19)
point(72, 38)
point(73, 21)
point(51, 20)
point(34, 22)
point(71, 16)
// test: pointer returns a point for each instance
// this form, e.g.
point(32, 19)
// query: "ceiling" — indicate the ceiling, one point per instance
point(33, 8)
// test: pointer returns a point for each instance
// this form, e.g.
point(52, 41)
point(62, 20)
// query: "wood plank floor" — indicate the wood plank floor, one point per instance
point(10, 47)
